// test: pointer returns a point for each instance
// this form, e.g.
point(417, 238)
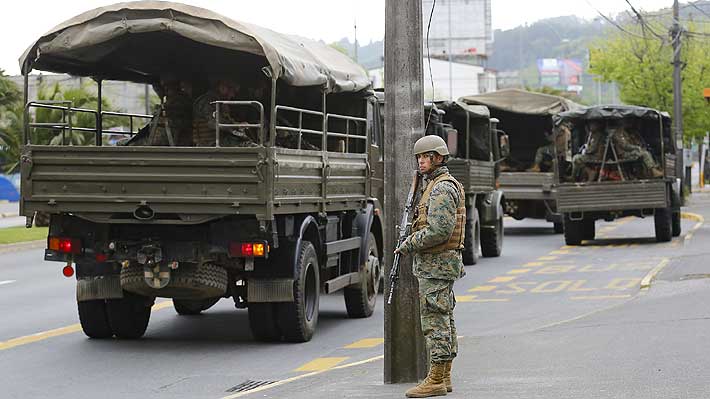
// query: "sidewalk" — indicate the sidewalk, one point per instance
point(9, 209)
point(640, 349)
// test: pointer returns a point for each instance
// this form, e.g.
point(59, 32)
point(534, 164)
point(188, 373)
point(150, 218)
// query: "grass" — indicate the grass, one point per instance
point(11, 235)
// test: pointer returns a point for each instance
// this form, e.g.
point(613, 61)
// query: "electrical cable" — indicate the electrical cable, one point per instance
point(431, 75)
point(611, 21)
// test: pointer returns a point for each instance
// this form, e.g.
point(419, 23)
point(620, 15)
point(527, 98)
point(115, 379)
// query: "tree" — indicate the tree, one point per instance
point(10, 123)
point(640, 63)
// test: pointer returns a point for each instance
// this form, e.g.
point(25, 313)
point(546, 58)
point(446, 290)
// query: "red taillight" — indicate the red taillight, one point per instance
point(65, 245)
point(101, 258)
point(68, 271)
point(248, 249)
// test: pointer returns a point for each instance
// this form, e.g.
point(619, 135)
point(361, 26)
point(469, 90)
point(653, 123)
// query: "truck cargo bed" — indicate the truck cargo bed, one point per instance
point(611, 196)
point(527, 185)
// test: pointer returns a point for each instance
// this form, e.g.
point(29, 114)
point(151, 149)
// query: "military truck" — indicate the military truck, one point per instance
point(526, 118)
point(610, 181)
point(271, 226)
point(475, 152)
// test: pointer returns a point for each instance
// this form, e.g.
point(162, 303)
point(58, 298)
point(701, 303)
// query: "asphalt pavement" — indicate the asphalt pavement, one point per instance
point(542, 321)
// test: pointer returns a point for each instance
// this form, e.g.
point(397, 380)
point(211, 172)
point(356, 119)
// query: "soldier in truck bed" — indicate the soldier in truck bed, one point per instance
point(204, 118)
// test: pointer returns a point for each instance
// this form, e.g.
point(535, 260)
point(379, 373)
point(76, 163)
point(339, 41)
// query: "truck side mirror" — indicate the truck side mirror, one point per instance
point(452, 140)
point(504, 145)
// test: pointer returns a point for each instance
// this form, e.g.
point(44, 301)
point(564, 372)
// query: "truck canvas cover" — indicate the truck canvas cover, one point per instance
point(611, 112)
point(118, 42)
point(522, 102)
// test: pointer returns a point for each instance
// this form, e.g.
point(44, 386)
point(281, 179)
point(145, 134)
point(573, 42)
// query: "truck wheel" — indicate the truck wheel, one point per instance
point(492, 239)
point(187, 307)
point(675, 222)
point(262, 322)
point(472, 239)
point(573, 231)
point(588, 230)
point(297, 320)
point(559, 227)
point(128, 316)
point(41, 219)
point(360, 299)
point(662, 221)
point(93, 319)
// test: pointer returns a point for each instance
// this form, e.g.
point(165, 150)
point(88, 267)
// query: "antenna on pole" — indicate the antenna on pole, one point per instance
point(356, 44)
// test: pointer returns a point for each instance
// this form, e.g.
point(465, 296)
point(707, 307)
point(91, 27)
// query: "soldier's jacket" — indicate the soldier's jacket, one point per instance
point(441, 215)
point(544, 156)
point(178, 109)
point(205, 123)
point(595, 145)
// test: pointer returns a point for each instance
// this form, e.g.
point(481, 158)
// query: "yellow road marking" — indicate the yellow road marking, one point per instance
point(483, 288)
point(534, 264)
point(41, 336)
point(322, 363)
point(519, 271)
point(646, 281)
point(465, 298)
point(502, 279)
point(599, 297)
point(567, 247)
point(559, 252)
point(547, 258)
point(366, 343)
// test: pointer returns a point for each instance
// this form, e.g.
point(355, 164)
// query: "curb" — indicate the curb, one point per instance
point(646, 282)
point(8, 215)
point(692, 216)
point(22, 246)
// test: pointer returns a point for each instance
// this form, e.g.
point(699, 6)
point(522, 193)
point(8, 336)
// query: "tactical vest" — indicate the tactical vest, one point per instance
point(202, 134)
point(456, 239)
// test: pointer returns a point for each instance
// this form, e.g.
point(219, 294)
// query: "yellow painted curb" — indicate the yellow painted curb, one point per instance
point(646, 282)
point(692, 216)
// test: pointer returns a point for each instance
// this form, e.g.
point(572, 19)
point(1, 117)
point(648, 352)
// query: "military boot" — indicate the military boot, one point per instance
point(447, 376)
point(433, 384)
point(656, 172)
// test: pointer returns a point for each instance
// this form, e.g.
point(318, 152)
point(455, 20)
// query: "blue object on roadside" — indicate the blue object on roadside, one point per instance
point(8, 192)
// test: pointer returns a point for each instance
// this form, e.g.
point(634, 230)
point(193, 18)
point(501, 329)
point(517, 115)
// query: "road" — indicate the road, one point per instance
point(537, 284)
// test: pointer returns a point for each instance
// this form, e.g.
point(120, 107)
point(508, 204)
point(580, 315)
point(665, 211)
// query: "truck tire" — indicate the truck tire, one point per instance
point(472, 239)
point(189, 307)
point(93, 319)
point(588, 230)
point(41, 219)
point(361, 298)
point(128, 316)
point(197, 281)
point(573, 231)
point(558, 227)
point(675, 223)
point(262, 322)
point(297, 320)
point(662, 221)
point(492, 239)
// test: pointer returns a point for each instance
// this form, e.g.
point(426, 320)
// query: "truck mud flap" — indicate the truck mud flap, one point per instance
point(101, 287)
point(270, 290)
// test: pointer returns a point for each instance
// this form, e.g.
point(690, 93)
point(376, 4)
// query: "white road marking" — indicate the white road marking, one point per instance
point(7, 282)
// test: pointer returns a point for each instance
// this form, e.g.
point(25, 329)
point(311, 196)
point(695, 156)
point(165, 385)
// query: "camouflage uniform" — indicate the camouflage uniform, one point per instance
point(178, 110)
point(593, 152)
point(544, 157)
point(204, 125)
point(436, 272)
point(627, 147)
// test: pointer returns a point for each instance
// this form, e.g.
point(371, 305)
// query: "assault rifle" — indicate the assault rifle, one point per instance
point(405, 226)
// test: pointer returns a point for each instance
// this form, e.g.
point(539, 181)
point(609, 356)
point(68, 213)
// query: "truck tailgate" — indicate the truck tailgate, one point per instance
point(607, 196)
point(106, 183)
point(527, 185)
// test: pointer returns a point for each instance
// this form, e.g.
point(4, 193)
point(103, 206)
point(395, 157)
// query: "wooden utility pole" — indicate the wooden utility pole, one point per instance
point(405, 357)
point(405, 354)
point(676, 33)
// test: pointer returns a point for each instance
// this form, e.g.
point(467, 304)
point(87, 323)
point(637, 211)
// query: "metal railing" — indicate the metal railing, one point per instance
point(347, 135)
point(300, 130)
point(130, 117)
point(64, 125)
point(243, 125)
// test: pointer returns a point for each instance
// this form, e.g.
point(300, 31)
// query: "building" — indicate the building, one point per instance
point(466, 79)
point(460, 29)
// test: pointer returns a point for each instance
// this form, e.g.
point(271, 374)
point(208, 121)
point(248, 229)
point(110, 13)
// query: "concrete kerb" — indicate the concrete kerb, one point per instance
point(8, 215)
point(22, 246)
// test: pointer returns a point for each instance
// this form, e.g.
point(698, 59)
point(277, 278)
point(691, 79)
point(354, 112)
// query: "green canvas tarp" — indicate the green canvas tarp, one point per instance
point(125, 41)
point(522, 102)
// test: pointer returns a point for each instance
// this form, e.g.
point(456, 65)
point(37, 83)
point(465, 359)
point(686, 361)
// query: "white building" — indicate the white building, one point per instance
point(464, 80)
point(464, 26)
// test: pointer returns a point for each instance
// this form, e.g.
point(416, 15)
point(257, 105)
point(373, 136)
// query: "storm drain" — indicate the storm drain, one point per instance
point(248, 385)
point(694, 277)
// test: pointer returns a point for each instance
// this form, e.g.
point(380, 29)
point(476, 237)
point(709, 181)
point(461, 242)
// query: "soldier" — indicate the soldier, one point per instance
point(628, 146)
point(544, 155)
point(436, 243)
point(205, 123)
point(593, 150)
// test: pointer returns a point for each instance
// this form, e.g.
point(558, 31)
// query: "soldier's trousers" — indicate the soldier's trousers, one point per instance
point(436, 308)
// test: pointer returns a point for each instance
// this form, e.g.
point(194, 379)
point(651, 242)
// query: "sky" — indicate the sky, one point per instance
point(327, 20)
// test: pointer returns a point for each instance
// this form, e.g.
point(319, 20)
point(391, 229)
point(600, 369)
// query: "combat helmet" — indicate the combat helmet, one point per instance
point(431, 144)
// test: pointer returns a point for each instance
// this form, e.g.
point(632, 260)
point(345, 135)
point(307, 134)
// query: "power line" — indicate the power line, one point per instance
point(644, 24)
point(619, 27)
point(692, 4)
point(428, 56)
